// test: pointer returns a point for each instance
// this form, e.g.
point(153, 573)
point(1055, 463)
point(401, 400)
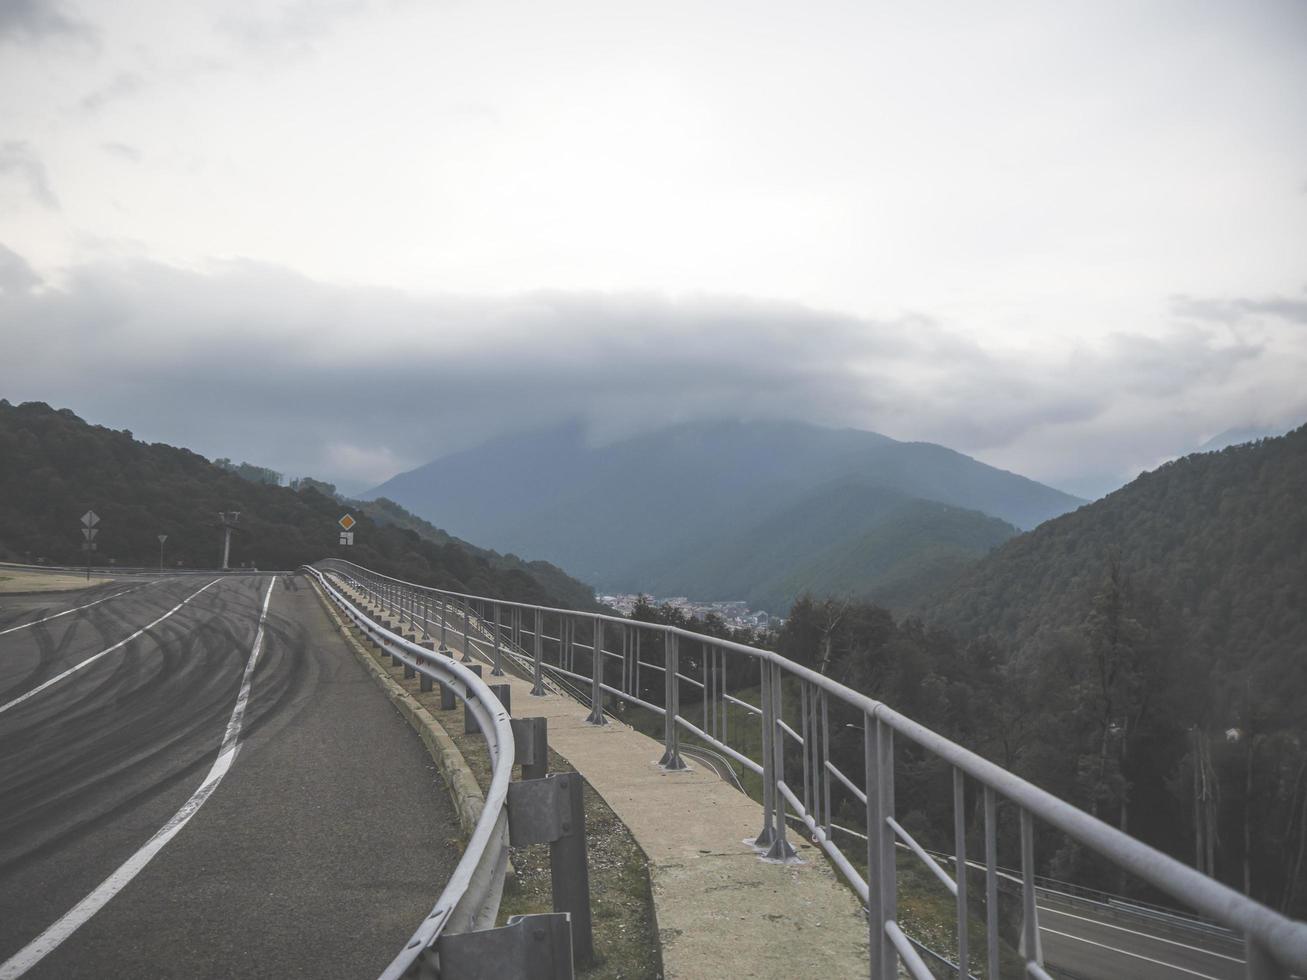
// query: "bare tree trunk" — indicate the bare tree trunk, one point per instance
point(1291, 884)
point(1247, 822)
point(1296, 877)
point(1198, 807)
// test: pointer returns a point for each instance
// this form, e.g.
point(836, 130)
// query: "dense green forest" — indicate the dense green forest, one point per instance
point(848, 538)
point(1144, 657)
point(54, 467)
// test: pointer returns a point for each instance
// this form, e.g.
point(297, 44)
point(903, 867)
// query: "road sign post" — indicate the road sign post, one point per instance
point(162, 539)
point(227, 519)
point(89, 531)
point(347, 533)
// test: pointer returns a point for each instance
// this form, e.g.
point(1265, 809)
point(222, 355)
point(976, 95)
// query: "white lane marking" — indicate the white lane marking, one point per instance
point(80, 914)
point(38, 622)
point(1082, 939)
point(1146, 935)
point(94, 657)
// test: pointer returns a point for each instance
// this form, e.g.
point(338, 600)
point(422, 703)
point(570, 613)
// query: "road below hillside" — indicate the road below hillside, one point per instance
point(166, 811)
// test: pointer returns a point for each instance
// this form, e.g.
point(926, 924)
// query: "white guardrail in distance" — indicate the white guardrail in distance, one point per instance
point(1274, 946)
point(470, 900)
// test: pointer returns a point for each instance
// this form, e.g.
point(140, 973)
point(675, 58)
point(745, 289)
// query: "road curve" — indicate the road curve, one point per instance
point(315, 854)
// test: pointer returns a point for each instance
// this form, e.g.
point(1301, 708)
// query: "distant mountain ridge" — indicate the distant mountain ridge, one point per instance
point(658, 506)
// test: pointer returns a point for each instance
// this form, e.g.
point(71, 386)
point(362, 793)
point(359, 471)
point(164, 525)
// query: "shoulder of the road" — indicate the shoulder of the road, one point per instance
point(696, 832)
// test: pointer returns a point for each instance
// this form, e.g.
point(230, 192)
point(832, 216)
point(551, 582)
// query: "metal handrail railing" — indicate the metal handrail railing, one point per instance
point(1274, 944)
point(470, 899)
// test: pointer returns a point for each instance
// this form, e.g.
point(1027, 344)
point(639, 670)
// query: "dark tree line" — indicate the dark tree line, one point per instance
point(1144, 657)
point(54, 467)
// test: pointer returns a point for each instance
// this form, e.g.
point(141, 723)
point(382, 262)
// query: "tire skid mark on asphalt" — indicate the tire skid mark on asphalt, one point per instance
point(82, 664)
point(66, 612)
point(109, 628)
point(54, 936)
point(135, 703)
point(52, 648)
point(135, 715)
point(81, 781)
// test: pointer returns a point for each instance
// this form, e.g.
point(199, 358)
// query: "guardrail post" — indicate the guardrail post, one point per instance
point(529, 947)
point(424, 682)
point(448, 702)
point(596, 716)
point(537, 671)
point(671, 759)
point(552, 811)
point(444, 613)
point(531, 746)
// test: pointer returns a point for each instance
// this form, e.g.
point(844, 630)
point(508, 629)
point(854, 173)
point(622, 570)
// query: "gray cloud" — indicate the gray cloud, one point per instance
point(122, 86)
point(16, 276)
point(37, 20)
point(122, 150)
point(17, 157)
point(290, 28)
point(1240, 308)
point(351, 384)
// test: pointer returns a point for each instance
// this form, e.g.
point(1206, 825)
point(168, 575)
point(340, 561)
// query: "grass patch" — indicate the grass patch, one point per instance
point(18, 582)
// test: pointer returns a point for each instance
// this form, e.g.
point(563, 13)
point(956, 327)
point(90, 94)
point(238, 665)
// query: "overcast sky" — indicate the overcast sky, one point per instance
point(340, 238)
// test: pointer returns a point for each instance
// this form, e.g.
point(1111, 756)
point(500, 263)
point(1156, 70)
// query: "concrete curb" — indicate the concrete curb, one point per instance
point(463, 788)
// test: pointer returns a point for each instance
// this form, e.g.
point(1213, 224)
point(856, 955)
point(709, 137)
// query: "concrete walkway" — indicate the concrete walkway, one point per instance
point(721, 911)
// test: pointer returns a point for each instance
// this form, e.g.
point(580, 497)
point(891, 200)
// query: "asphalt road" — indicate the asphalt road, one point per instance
point(318, 844)
point(1097, 944)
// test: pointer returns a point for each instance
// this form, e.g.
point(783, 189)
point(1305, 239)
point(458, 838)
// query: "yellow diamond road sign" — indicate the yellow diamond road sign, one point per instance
point(347, 522)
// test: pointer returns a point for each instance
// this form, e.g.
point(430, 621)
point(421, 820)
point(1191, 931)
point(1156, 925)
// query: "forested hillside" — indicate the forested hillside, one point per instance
point(54, 467)
point(1152, 652)
point(849, 538)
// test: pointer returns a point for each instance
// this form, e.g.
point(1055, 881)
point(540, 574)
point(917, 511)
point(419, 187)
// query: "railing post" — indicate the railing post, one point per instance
point(596, 716)
point(882, 870)
point(825, 756)
point(991, 882)
point(1031, 947)
point(960, 867)
point(498, 670)
point(537, 671)
point(467, 647)
point(765, 839)
point(1261, 964)
point(444, 613)
point(671, 760)
point(780, 849)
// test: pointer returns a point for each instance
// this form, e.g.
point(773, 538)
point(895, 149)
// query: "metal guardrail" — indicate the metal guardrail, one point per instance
point(1274, 945)
point(458, 940)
